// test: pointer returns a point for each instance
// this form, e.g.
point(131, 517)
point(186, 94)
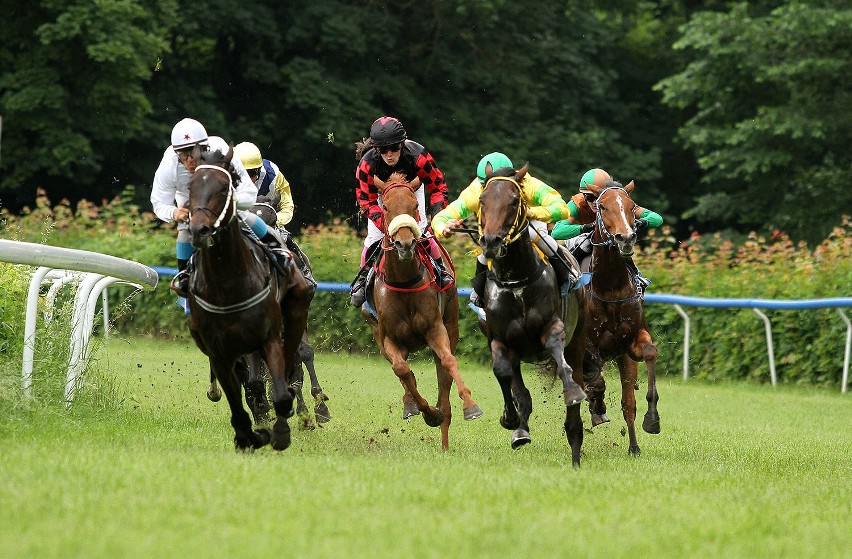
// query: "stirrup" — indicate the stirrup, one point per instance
point(475, 299)
point(180, 283)
point(358, 295)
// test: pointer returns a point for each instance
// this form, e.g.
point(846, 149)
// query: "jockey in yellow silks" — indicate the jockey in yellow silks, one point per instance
point(545, 205)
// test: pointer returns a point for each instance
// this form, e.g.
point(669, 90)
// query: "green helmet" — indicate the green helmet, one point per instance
point(497, 160)
point(593, 176)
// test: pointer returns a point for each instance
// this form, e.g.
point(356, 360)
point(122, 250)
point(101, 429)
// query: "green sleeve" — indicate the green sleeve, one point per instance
point(653, 219)
point(565, 230)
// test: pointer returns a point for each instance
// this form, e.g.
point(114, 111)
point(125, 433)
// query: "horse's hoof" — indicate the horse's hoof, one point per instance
point(214, 395)
point(433, 417)
point(319, 395)
point(306, 423)
point(409, 410)
point(634, 451)
point(321, 411)
point(261, 437)
point(472, 412)
point(574, 395)
point(520, 437)
point(280, 435)
point(597, 419)
point(651, 423)
point(510, 424)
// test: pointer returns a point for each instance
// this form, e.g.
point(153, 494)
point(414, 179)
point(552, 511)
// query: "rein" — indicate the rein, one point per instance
point(230, 203)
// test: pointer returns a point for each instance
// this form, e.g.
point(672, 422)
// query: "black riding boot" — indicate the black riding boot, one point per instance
point(641, 281)
point(563, 274)
point(301, 259)
point(478, 284)
point(358, 287)
point(180, 283)
point(275, 244)
point(442, 275)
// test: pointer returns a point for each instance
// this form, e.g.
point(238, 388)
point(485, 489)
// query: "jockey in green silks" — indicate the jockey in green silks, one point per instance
point(545, 205)
point(578, 227)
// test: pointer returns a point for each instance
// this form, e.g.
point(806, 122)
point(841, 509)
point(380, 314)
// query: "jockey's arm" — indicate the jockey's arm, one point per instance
point(546, 204)
point(437, 194)
point(367, 195)
point(285, 214)
point(651, 219)
point(456, 212)
point(570, 227)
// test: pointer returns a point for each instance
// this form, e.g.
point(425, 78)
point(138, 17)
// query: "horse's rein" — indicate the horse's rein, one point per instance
point(518, 228)
point(230, 203)
point(608, 238)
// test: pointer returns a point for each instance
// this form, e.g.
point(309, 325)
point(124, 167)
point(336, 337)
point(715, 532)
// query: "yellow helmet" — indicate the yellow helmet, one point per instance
point(249, 154)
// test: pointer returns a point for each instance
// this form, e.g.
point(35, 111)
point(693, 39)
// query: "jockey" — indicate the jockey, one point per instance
point(544, 206)
point(386, 151)
point(170, 192)
point(579, 226)
point(269, 178)
point(265, 174)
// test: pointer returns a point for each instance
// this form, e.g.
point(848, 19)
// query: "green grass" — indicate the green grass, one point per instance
point(144, 466)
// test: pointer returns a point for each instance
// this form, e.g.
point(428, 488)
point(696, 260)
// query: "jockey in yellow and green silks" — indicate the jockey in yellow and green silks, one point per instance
point(545, 205)
point(578, 226)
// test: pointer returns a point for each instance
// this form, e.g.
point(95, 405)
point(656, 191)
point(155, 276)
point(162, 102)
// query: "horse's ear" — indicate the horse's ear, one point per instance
point(522, 172)
point(489, 171)
point(594, 189)
point(197, 154)
point(229, 155)
point(630, 186)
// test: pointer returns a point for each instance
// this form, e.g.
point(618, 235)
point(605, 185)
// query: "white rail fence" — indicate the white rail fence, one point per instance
point(93, 273)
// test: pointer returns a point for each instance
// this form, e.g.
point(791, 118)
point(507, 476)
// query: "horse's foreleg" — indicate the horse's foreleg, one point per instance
point(213, 392)
point(651, 421)
point(439, 341)
point(554, 342)
point(306, 356)
point(296, 382)
point(397, 357)
point(595, 385)
point(575, 355)
point(628, 371)
point(445, 383)
point(504, 363)
point(244, 437)
point(282, 400)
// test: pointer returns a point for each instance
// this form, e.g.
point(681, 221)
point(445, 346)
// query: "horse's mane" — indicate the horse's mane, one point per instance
point(216, 157)
point(612, 184)
point(362, 147)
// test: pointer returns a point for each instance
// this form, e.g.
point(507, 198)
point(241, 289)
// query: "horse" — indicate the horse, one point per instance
point(252, 369)
point(240, 303)
point(412, 312)
point(525, 317)
point(616, 326)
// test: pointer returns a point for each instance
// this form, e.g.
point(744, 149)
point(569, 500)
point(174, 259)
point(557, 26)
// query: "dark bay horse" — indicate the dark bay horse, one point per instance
point(525, 318)
point(411, 313)
point(616, 328)
point(239, 304)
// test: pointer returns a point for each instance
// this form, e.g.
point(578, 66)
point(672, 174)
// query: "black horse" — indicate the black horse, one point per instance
point(252, 370)
point(526, 319)
point(239, 303)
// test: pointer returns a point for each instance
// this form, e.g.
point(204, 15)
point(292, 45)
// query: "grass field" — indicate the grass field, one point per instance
point(147, 469)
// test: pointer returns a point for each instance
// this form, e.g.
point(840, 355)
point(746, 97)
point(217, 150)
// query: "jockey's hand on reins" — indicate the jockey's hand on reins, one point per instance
point(641, 223)
point(588, 228)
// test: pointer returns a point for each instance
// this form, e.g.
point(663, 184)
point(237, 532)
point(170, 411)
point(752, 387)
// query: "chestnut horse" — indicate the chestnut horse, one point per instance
point(411, 312)
point(525, 318)
point(239, 304)
point(616, 328)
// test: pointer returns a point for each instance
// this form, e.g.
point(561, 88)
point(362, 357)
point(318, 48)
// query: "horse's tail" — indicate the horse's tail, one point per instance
point(361, 147)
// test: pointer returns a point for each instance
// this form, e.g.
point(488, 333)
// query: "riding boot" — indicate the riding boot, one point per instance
point(641, 281)
point(276, 244)
point(443, 276)
point(301, 259)
point(478, 284)
point(564, 278)
point(180, 283)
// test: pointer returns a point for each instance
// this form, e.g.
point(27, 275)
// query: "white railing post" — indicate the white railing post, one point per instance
point(686, 328)
point(845, 377)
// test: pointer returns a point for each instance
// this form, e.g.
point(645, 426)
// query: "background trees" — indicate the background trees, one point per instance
point(746, 129)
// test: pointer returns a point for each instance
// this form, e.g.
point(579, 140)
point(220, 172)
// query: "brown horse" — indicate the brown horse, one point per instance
point(525, 316)
point(616, 328)
point(411, 312)
point(239, 304)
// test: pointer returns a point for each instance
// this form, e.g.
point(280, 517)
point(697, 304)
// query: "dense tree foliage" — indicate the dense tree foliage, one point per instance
point(89, 91)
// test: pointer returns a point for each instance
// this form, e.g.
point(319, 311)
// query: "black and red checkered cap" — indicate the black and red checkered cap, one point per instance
point(387, 131)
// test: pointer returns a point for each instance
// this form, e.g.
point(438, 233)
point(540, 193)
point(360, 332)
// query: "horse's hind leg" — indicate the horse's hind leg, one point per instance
point(249, 370)
point(595, 387)
point(296, 382)
point(445, 383)
point(306, 356)
point(447, 364)
point(628, 371)
point(214, 394)
point(651, 421)
point(397, 357)
point(244, 437)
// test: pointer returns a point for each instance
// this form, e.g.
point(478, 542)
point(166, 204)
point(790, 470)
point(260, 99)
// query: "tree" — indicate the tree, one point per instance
point(770, 108)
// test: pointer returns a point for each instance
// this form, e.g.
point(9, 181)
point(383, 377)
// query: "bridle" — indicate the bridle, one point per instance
point(608, 239)
point(230, 202)
point(520, 224)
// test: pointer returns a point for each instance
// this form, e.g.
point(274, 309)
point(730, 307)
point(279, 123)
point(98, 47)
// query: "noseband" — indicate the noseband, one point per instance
point(402, 220)
point(230, 203)
point(520, 224)
point(608, 238)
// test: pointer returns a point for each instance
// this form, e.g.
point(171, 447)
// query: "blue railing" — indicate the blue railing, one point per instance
point(680, 301)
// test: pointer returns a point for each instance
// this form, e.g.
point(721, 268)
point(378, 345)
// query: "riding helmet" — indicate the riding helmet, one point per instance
point(249, 154)
point(387, 131)
point(593, 176)
point(498, 161)
point(187, 133)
